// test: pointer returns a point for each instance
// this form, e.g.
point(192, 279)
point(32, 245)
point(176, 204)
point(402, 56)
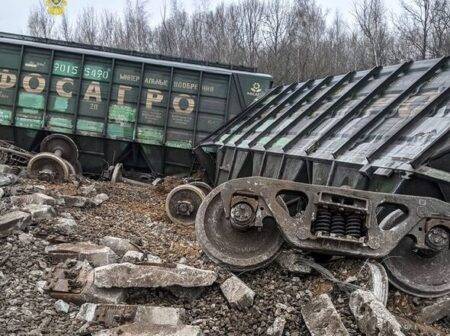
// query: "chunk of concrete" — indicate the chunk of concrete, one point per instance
point(5, 169)
point(96, 255)
point(92, 293)
point(133, 257)
point(292, 262)
point(435, 312)
point(378, 281)
point(157, 181)
point(119, 245)
point(99, 199)
point(237, 293)
point(126, 275)
point(146, 329)
point(2, 193)
point(75, 201)
point(371, 315)
point(7, 179)
point(277, 328)
point(88, 190)
point(65, 226)
point(62, 306)
point(150, 258)
point(36, 198)
point(322, 319)
point(40, 211)
point(25, 238)
point(109, 314)
point(14, 220)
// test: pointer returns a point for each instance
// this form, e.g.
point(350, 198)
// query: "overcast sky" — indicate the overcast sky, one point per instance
point(13, 15)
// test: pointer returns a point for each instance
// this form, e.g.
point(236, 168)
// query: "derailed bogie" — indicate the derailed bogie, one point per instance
point(334, 221)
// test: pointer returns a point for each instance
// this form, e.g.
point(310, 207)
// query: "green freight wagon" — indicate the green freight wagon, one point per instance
point(147, 111)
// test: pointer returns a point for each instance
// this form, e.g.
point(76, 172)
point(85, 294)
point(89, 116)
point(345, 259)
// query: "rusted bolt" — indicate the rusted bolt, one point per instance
point(437, 238)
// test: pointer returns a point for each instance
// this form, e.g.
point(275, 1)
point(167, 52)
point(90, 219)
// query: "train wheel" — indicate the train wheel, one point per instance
point(117, 173)
point(49, 167)
point(230, 246)
point(205, 187)
point(183, 202)
point(416, 273)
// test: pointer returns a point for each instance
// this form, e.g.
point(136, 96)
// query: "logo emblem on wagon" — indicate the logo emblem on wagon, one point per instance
point(256, 88)
point(56, 7)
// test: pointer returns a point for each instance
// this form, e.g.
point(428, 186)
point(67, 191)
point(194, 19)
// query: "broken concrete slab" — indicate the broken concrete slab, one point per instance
point(322, 319)
point(110, 315)
point(146, 329)
point(40, 211)
point(96, 255)
point(291, 261)
point(133, 257)
point(435, 312)
point(126, 275)
point(371, 315)
point(14, 220)
point(378, 281)
point(99, 199)
point(65, 226)
point(237, 293)
point(2, 193)
point(277, 328)
point(119, 245)
point(36, 198)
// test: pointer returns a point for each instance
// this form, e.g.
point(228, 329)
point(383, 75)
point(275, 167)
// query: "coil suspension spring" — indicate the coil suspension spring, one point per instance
point(323, 221)
point(338, 224)
point(354, 225)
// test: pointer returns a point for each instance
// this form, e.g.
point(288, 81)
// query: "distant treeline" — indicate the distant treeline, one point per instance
point(291, 39)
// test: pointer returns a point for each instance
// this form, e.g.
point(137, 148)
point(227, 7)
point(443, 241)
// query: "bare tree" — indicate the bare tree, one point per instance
point(135, 26)
point(40, 23)
point(87, 26)
point(65, 30)
point(293, 40)
point(424, 24)
point(371, 19)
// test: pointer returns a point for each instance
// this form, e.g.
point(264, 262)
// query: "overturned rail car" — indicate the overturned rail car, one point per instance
point(356, 164)
point(144, 110)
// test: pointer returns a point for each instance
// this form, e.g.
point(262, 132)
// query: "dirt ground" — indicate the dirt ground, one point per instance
point(137, 213)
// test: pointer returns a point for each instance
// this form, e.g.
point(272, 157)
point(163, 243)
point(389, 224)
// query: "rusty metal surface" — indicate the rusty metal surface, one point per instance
point(357, 223)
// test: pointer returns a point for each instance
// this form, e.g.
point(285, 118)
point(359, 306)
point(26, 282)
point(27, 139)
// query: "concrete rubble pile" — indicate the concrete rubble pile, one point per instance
point(93, 282)
point(94, 275)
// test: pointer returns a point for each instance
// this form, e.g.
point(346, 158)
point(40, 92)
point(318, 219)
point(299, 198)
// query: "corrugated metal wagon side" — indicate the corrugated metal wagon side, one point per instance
point(147, 113)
